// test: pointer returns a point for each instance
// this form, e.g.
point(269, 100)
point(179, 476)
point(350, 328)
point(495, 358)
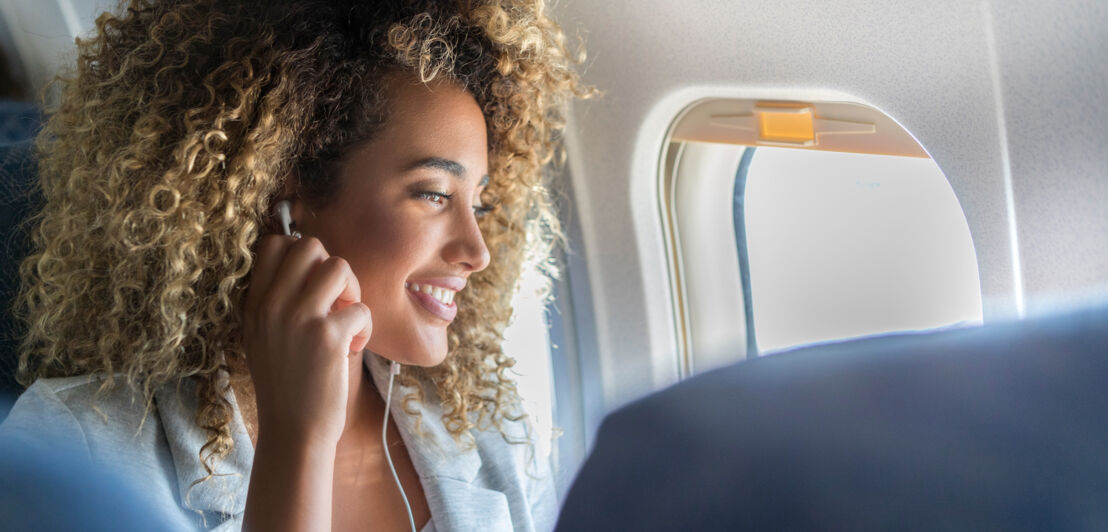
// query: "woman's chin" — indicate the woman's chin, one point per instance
point(426, 357)
point(425, 360)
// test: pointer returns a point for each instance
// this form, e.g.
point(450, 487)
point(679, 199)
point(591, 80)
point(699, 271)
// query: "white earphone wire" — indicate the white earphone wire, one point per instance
point(394, 369)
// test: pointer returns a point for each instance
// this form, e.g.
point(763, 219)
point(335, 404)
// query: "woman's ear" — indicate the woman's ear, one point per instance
point(292, 211)
point(286, 213)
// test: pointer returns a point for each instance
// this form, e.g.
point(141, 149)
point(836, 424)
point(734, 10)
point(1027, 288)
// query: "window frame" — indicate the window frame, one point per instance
point(713, 120)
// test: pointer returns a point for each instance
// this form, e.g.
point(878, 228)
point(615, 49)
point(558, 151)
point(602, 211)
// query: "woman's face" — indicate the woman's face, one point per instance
point(403, 217)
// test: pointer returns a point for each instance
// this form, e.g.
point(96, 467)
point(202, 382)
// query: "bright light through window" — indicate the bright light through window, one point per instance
point(845, 245)
point(527, 339)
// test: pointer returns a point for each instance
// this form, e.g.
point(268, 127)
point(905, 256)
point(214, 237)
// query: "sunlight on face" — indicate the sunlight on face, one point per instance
point(404, 217)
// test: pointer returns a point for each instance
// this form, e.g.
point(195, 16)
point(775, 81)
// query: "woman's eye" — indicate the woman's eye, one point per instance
point(438, 198)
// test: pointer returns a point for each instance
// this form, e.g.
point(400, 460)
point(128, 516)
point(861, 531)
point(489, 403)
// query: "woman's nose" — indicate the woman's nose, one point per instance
point(467, 244)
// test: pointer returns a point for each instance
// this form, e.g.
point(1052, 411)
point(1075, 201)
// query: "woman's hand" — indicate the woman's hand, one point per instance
point(303, 317)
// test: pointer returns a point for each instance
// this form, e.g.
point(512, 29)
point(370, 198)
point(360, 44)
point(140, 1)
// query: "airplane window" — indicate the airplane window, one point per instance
point(792, 223)
point(845, 244)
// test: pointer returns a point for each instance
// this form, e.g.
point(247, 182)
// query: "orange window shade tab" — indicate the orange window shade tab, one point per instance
point(786, 124)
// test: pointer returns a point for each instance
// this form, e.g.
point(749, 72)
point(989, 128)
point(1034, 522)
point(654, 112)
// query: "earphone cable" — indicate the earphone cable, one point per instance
point(394, 369)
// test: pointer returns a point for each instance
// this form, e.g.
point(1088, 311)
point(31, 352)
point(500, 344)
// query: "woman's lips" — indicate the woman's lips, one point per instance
point(434, 306)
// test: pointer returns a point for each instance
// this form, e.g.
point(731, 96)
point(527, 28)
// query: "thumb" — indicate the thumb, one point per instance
point(356, 322)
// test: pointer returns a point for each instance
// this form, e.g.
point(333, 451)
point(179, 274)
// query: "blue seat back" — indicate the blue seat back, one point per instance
point(19, 197)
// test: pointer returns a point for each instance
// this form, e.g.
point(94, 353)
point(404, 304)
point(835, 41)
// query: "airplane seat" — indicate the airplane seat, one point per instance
point(18, 197)
point(999, 427)
point(19, 121)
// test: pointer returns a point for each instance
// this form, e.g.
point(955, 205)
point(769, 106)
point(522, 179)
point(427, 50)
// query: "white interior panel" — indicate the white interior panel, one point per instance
point(43, 33)
point(1054, 72)
point(709, 259)
point(928, 65)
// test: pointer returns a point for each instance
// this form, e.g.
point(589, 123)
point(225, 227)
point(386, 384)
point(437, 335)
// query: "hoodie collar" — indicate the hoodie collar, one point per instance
point(433, 451)
point(448, 470)
point(225, 492)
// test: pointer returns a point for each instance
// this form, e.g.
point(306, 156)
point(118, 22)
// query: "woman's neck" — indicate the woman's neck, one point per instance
point(364, 406)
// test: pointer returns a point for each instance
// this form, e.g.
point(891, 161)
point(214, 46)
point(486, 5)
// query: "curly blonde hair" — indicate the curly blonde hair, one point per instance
point(180, 126)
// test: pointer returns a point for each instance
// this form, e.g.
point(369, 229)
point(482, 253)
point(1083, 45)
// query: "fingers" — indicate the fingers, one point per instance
point(297, 280)
point(356, 323)
point(271, 251)
point(301, 258)
point(333, 286)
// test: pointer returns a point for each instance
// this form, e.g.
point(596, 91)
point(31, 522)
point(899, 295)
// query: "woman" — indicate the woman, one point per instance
point(174, 334)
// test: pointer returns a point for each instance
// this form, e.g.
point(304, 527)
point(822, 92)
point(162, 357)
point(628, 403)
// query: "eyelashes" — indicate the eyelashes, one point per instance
point(440, 199)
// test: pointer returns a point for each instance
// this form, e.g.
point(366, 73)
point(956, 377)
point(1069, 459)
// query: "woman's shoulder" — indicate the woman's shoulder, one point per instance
point(492, 474)
point(66, 405)
point(40, 418)
point(72, 422)
point(107, 424)
point(511, 452)
point(512, 440)
point(56, 392)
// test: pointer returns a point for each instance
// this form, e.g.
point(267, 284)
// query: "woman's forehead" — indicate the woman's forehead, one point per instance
point(410, 100)
point(438, 123)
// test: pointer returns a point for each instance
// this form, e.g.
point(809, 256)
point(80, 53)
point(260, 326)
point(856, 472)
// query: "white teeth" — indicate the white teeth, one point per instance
point(444, 295)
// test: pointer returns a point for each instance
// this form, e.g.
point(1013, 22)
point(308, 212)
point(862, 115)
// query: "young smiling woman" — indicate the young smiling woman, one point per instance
point(373, 263)
point(176, 336)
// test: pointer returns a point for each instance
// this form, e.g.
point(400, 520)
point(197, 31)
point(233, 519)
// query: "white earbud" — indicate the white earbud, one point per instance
point(284, 214)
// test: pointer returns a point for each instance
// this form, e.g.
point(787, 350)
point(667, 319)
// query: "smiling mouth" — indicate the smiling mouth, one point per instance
point(434, 299)
point(443, 295)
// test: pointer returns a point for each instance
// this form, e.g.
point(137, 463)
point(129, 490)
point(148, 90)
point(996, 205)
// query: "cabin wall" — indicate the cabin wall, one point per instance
point(983, 86)
point(42, 32)
point(1054, 73)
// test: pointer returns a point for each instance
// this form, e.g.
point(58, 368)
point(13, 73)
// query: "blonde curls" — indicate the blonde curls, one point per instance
point(181, 123)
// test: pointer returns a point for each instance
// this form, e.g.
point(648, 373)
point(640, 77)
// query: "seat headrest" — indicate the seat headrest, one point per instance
point(19, 197)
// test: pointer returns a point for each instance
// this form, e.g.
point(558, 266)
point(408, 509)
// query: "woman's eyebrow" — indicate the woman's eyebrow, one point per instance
point(453, 167)
point(439, 163)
